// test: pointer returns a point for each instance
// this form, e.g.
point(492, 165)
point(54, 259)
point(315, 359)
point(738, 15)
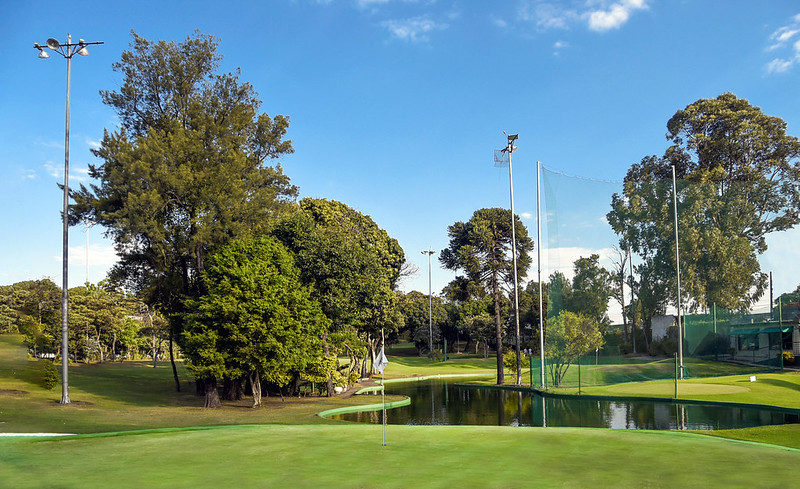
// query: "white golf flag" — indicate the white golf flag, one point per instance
point(381, 362)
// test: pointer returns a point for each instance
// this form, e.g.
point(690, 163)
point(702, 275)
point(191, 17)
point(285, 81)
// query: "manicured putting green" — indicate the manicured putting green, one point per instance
point(415, 457)
point(668, 389)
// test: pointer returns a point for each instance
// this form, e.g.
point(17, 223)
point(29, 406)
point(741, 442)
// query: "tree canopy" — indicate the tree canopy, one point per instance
point(739, 180)
point(481, 248)
point(186, 172)
point(569, 335)
point(352, 266)
point(256, 320)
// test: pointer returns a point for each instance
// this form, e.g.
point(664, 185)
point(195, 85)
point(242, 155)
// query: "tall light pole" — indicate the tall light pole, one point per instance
point(67, 50)
point(678, 272)
point(501, 157)
point(430, 253)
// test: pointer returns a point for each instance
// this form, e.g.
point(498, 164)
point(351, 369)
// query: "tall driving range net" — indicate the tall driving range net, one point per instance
point(639, 342)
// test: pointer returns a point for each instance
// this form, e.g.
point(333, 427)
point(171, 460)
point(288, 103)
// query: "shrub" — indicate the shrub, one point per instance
point(510, 360)
point(789, 358)
point(48, 374)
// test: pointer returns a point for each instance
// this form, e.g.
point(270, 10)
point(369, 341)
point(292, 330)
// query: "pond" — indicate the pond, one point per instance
point(442, 402)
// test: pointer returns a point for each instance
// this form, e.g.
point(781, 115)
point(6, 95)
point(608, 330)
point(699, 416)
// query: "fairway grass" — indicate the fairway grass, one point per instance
point(136, 431)
point(774, 389)
point(415, 457)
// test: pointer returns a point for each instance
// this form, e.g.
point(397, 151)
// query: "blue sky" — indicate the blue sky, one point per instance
point(396, 106)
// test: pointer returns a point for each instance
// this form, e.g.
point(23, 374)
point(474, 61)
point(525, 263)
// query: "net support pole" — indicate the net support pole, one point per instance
point(539, 265)
point(514, 262)
point(678, 272)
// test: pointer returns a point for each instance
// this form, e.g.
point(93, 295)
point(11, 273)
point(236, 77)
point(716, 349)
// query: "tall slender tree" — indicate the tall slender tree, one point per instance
point(481, 248)
point(187, 170)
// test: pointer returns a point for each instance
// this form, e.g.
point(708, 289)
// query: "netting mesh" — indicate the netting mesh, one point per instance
point(500, 158)
point(638, 346)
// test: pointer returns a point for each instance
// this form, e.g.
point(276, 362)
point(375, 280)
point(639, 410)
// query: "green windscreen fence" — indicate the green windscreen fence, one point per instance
point(579, 245)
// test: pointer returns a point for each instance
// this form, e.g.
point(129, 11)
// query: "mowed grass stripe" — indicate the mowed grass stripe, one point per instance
point(352, 456)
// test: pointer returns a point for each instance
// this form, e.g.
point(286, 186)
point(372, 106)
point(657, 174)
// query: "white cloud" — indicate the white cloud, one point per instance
point(101, 256)
point(413, 30)
point(55, 171)
point(779, 65)
point(562, 259)
point(558, 46)
point(28, 174)
point(614, 16)
point(597, 15)
point(526, 216)
point(79, 174)
point(786, 40)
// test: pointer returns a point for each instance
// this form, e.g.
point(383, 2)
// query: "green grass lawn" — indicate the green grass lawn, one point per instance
point(285, 443)
point(415, 457)
point(776, 389)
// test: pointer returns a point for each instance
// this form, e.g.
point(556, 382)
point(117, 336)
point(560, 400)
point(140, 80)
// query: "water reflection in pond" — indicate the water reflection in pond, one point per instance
point(443, 402)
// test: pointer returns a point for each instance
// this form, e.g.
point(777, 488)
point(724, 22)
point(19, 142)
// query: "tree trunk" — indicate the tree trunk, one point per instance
point(326, 351)
point(255, 383)
point(373, 346)
point(232, 389)
point(174, 368)
point(212, 395)
point(498, 329)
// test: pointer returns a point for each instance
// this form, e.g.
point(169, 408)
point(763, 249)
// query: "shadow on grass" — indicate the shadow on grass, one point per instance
point(781, 383)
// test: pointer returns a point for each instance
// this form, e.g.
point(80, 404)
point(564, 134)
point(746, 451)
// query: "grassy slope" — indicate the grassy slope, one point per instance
point(126, 396)
point(352, 456)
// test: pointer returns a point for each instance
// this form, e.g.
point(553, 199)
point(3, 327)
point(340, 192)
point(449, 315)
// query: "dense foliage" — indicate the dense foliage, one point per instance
point(481, 249)
point(738, 180)
point(257, 319)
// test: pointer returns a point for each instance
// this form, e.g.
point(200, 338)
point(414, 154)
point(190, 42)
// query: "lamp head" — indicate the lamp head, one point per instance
point(53, 44)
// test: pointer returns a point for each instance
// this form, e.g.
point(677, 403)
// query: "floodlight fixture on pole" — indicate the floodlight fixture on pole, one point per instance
point(503, 154)
point(430, 253)
point(67, 50)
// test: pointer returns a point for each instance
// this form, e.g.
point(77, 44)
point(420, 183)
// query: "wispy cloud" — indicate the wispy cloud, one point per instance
point(546, 16)
point(599, 16)
point(558, 46)
point(786, 41)
point(54, 170)
point(613, 16)
point(415, 29)
point(57, 171)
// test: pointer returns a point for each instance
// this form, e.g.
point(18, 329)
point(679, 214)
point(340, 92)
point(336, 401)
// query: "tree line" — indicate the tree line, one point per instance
point(260, 290)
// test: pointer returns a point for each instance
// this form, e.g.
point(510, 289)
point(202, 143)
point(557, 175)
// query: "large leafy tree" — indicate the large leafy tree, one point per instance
point(421, 317)
point(100, 317)
point(569, 335)
point(256, 320)
point(739, 181)
point(33, 307)
point(353, 267)
point(187, 170)
point(591, 289)
point(481, 248)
